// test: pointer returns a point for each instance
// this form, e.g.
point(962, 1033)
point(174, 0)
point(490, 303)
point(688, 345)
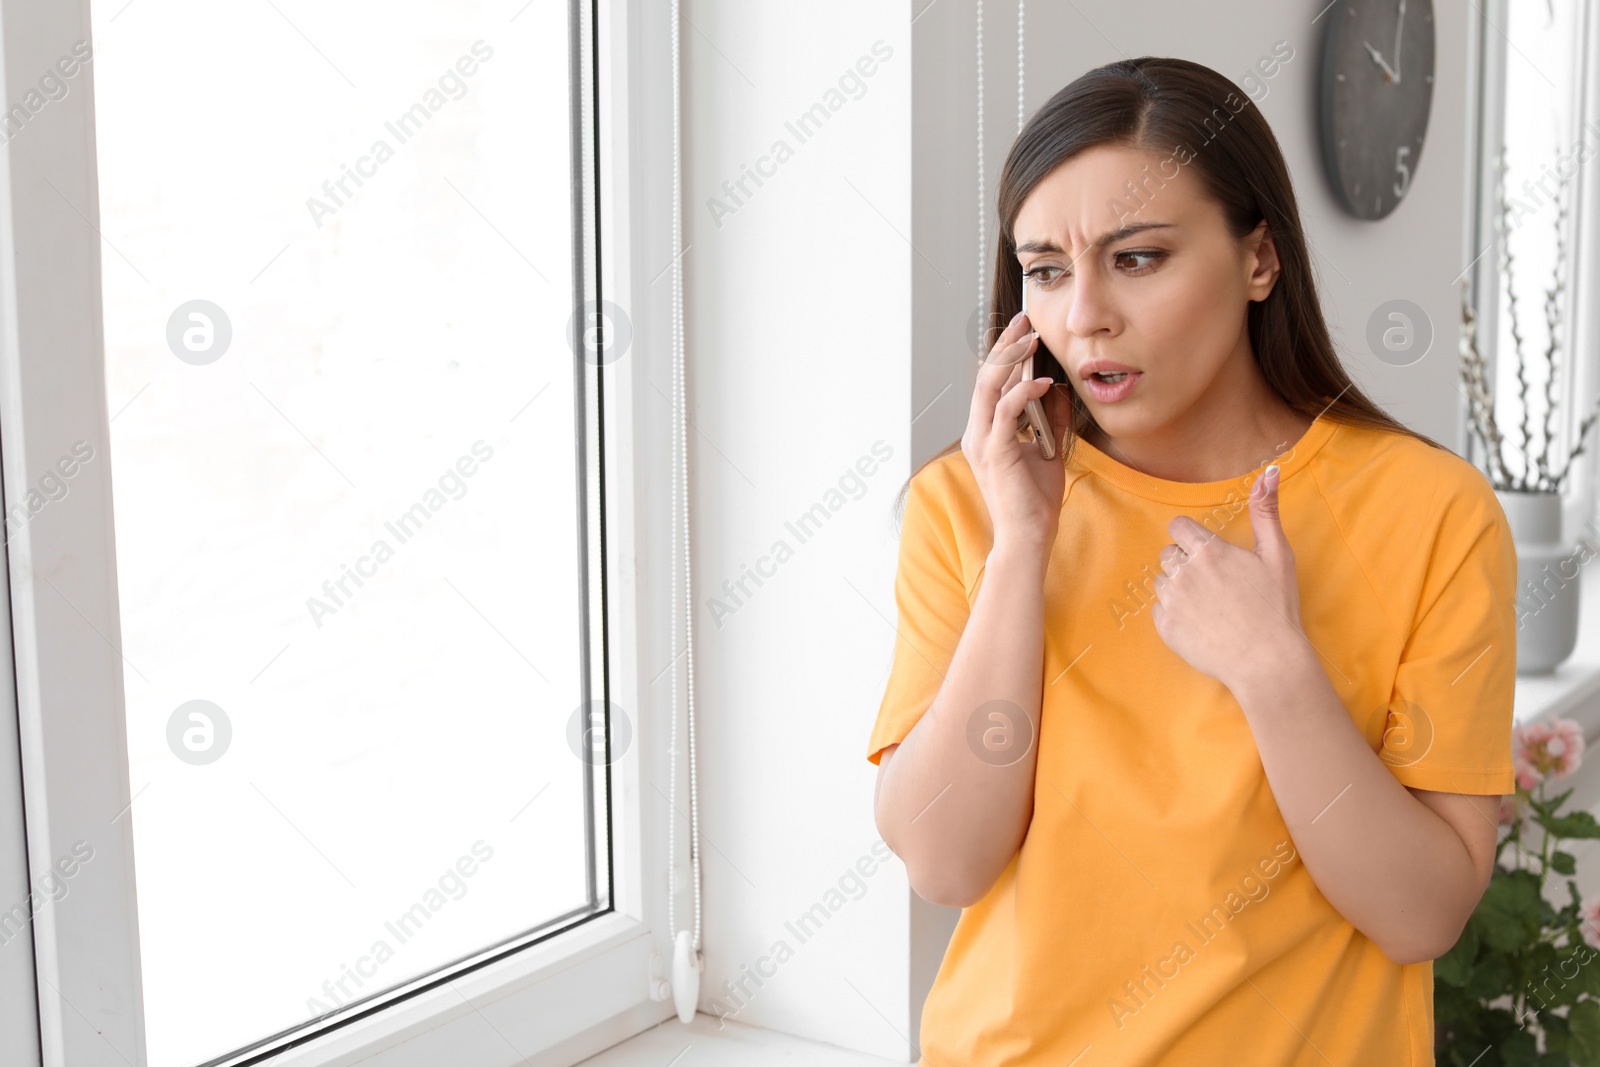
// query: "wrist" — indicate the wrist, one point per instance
point(1015, 554)
point(1274, 670)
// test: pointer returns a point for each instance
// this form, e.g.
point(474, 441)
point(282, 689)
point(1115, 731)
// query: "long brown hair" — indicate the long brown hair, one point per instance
point(1165, 105)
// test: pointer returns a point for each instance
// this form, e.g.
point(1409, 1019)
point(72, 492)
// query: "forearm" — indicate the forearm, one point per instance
point(953, 814)
point(1386, 862)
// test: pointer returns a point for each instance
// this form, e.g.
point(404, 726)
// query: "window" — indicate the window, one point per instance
point(330, 696)
point(1538, 104)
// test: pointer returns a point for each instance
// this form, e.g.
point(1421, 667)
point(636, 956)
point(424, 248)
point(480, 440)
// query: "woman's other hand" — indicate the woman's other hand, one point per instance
point(1230, 611)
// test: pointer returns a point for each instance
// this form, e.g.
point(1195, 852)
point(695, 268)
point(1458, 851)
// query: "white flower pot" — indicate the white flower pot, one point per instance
point(1547, 580)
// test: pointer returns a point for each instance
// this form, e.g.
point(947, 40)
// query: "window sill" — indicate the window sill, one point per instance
point(733, 1045)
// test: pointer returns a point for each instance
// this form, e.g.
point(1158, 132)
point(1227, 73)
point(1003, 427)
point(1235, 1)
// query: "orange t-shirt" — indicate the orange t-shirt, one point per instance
point(1157, 912)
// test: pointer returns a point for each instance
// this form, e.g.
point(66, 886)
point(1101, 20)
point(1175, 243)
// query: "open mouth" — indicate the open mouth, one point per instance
point(1109, 387)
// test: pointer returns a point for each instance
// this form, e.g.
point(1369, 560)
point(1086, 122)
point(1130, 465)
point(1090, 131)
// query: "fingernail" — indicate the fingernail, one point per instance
point(1046, 380)
point(1272, 475)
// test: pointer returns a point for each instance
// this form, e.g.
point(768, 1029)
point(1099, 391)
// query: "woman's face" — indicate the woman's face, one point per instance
point(1169, 301)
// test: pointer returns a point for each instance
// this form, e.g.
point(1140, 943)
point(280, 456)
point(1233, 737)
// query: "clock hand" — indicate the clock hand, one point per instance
point(1377, 58)
point(1398, 28)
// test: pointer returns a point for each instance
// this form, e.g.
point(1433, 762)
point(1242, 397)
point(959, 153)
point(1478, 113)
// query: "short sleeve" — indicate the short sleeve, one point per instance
point(932, 608)
point(1450, 713)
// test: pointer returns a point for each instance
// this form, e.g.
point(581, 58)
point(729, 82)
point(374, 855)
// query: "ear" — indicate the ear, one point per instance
point(1263, 261)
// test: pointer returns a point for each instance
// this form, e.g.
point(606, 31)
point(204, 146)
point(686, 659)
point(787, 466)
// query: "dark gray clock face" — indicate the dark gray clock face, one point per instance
point(1377, 90)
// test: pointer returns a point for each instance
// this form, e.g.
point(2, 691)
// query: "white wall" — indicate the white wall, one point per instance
point(825, 314)
point(797, 312)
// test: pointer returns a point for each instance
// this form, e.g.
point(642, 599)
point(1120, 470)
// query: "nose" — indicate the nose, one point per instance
point(1089, 311)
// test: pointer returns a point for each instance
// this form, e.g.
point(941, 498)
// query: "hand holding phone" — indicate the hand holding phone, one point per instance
point(1034, 425)
point(1022, 489)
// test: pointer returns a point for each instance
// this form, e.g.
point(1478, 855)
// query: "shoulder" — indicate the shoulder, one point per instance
point(945, 477)
point(945, 497)
point(1384, 478)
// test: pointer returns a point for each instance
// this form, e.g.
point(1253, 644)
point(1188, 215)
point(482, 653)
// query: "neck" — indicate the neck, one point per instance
point(1229, 432)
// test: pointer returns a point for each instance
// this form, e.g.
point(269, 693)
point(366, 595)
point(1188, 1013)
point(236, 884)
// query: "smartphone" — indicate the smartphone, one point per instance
point(1034, 424)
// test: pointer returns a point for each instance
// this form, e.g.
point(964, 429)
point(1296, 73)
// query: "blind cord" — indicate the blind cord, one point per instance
point(1021, 114)
point(983, 303)
point(1022, 117)
point(680, 524)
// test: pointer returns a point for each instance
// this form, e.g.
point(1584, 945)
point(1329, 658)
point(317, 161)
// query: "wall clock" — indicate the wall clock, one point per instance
point(1377, 90)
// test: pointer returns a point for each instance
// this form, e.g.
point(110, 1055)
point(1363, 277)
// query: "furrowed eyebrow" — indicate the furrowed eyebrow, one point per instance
point(1048, 245)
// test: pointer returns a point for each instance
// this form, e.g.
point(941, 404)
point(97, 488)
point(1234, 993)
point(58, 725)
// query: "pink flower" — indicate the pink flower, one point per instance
point(1553, 748)
point(1589, 922)
point(1565, 748)
point(1528, 776)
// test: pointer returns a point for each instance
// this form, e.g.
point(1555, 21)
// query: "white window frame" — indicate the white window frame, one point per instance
point(1579, 368)
point(1583, 309)
point(560, 999)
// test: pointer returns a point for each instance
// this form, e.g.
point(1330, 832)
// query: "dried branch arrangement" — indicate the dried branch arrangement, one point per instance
point(1536, 473)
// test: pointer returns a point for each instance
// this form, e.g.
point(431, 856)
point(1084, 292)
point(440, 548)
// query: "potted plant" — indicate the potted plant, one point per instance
point(1547, 570)
point(1520, 985)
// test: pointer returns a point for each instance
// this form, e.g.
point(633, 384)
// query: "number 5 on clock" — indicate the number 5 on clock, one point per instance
point(1404, 181)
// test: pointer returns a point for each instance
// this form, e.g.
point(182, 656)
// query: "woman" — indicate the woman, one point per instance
point(1203, 723)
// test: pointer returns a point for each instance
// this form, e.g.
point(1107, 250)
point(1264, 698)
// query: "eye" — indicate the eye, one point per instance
point(1151, 254)
point(1036, 274)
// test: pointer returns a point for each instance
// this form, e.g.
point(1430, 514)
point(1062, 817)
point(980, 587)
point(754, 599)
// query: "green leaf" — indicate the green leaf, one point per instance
point(1557, 1035)
point(1456, 1019)
point(1574, 824)
point(1584, 1021)
point(1455, 966)
point(1511, 909)
point(1551, 803)
point(1519, 1050)
point(1547, 979)
point(1587, 961)
point(1563, 863)
point(1491, 977)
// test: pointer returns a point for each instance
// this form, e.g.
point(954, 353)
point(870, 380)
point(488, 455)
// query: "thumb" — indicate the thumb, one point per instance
point(1271, 543)
point(1054, 405)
